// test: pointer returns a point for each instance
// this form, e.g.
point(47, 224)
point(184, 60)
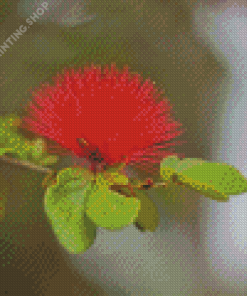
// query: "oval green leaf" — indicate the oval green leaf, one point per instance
point(69, 174)
point(172, 164)
point(216, 180)
point(10, 140)
point(110, 209)
point(65, 207)
point(168, 167)
point(2, 151)
point(148, 216)
point(187, 163)
point(38, 148)
point(116, 178)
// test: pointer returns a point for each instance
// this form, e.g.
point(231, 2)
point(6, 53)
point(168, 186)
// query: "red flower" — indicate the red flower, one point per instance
point(107, 112)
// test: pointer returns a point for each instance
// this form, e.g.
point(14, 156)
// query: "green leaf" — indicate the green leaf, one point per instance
point(171, 165)
point(38, 148)
point(10, 140)
point(148, 216)
point(65, 207)
point(8, 124)
point(110, 209)
point(187, 163)
point(101, 180)
point(168, 167)
point(11, 120)
point(38, 153)
point(69, 174)
point(2, 151)
point(115, 178)
point(213, 179)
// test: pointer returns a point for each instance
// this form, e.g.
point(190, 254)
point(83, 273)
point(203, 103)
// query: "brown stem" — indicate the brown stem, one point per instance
point(25, 164)
point(145, 186)
point(139, 226)
point(131, 190)
point(50, 171)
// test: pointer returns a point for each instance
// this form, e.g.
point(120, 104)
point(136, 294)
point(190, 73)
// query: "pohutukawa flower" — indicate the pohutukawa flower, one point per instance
point(104, 115)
